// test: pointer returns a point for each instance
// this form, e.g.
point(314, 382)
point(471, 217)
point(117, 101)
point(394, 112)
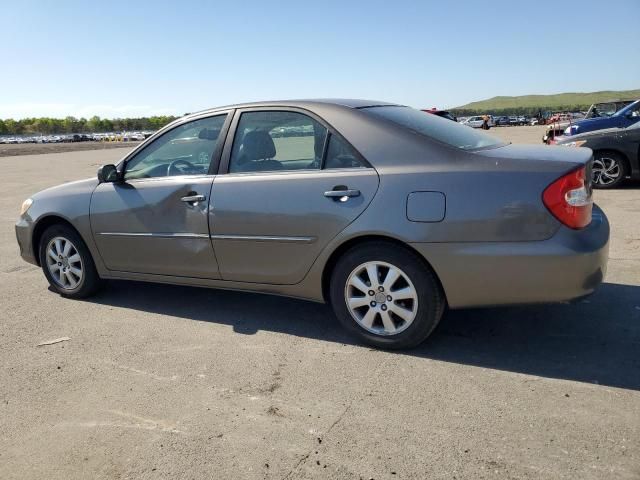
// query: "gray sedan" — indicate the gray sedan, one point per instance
point(389, 214)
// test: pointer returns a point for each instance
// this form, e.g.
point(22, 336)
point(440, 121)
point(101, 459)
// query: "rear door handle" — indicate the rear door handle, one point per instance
point(193, 199)
point(342, 195)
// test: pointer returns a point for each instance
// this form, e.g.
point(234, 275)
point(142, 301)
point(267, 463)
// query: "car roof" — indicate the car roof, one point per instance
point(341, 102)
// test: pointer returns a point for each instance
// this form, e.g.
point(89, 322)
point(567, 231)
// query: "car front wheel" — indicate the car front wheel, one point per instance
point(386, 295)
point(609, 170)
point(67, 263)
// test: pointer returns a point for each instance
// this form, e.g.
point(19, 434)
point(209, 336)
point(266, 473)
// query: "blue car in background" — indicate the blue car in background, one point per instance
point(623, 118)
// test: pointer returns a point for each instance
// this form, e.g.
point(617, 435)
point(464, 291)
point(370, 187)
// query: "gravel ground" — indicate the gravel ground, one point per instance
point(174, 382)
point(520, 134)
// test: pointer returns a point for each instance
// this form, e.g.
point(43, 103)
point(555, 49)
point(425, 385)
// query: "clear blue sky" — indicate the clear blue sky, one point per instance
point(142, 57)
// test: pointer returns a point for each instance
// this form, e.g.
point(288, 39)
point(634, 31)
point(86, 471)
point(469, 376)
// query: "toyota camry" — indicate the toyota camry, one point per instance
point(386, 213)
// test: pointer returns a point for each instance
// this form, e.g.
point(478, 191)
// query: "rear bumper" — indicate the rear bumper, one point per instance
point(24, 231)
point(569, 265)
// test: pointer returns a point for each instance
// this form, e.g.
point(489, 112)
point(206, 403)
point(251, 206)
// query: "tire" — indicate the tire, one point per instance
point(379, 324)
point(77, 258)
point(609, 169)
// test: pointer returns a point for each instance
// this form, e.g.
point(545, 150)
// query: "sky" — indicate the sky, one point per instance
point(139, 58)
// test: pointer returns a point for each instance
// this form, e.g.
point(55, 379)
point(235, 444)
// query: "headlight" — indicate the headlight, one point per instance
point(577, 143)
point(25, 206)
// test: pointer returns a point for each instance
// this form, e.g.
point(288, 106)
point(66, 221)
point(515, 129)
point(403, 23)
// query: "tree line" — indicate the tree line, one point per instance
point(46, 125)
point(95, 124)
point(527, 111)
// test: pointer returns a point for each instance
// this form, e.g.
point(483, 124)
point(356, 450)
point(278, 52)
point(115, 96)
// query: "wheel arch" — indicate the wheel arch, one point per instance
point(40, 227)
point(341, 249)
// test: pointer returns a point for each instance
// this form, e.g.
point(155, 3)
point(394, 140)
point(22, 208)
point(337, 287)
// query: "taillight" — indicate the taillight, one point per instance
point(569, 199)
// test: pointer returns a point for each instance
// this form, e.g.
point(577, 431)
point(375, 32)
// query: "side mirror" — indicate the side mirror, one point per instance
point(108, 173)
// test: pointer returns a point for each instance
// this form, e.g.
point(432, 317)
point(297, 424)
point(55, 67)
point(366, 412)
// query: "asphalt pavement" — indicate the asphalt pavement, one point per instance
point(158, 381)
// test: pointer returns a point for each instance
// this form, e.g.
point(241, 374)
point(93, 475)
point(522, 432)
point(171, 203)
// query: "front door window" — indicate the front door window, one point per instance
point(184, 150)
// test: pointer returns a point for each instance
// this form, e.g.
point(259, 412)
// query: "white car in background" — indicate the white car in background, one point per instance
point(136, 137)
point(477, 121)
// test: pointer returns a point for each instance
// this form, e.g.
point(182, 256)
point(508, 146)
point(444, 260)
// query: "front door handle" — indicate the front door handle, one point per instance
point(342, 195)
point(193, 199)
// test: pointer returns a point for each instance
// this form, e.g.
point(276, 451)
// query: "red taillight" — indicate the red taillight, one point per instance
point(569, 199)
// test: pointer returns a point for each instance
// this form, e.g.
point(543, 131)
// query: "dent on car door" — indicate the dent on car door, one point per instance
point(155, 221)
point(292, 186)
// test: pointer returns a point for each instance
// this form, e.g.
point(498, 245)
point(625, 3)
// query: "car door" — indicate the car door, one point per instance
point(630, 142)
point(155, 219)
point(289, 186)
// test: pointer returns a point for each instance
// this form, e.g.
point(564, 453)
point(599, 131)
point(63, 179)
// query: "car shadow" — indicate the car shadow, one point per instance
point(594, 340)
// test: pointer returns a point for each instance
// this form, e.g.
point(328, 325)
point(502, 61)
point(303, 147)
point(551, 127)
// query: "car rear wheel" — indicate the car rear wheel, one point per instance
point(67, 263)
point(386, 295)
point(609, 170)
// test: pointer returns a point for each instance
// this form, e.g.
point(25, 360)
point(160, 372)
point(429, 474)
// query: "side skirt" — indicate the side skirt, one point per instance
point(291, 291)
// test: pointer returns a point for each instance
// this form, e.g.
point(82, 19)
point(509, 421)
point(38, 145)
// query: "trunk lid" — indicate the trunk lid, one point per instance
point(540, 153)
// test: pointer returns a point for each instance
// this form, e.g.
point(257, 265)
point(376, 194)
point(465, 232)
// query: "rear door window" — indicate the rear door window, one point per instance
point(277, 140)
point(341, 155)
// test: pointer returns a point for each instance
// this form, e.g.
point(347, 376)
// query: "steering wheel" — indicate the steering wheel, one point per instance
point(173, 166)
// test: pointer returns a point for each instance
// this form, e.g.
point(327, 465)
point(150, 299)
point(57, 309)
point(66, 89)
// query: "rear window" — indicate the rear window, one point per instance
point(432, 126)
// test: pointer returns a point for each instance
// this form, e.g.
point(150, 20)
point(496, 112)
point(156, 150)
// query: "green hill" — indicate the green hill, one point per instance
point(529, 104)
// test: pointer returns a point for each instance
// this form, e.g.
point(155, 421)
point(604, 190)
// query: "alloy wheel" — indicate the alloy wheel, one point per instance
point(606, 171)
point(64, 263)
point(381, 298)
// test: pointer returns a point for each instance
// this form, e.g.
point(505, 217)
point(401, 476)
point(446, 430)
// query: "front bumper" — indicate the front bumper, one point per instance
point(24, 234)
point(569, 265)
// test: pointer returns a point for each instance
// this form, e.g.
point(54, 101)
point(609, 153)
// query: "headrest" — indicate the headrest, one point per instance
point(258, 145)
point(209, 134)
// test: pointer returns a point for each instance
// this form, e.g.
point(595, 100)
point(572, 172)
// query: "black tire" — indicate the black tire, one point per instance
point(602, 160)
point(430, 297)
point(90, 282)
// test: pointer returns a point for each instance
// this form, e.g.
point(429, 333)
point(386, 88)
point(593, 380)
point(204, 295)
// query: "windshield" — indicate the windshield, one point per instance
point(432, 126)
point(633, 108)
point(601, 110)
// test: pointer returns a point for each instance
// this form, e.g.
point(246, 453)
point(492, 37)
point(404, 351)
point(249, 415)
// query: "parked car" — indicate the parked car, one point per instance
point(441, 113)
point(622, 118)
point(502, 121)
point(388, 214)
point(559, 117)
point(606, 109)
point(477, 121)
point(553, 132)
point(77, 137)
point(136, 137)
point(615, 153)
